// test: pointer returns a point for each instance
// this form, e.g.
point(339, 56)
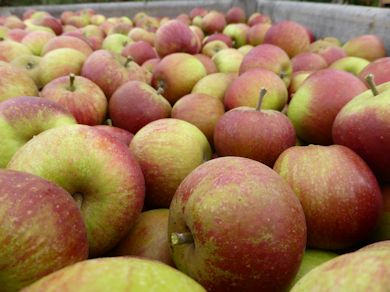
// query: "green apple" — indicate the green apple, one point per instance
point(238, 33)
point(228, 60)
point(116, 42)
point(214, 84)
point(352, 65)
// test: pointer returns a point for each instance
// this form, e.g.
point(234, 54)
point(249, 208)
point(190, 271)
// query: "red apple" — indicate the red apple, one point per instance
point(67, 42)
point(140, 52)
point(256, 33)
point(150, 64)
point(235, 15)
point(219, 37)
point(212, 48)
point(207, 63)
point(308, 62)
point(257, 18)
point(213, 21)
point(140, 34)
point(370, 47)
point(380, 69)
point(198, 11)
point(117, 133)
point(16, 34)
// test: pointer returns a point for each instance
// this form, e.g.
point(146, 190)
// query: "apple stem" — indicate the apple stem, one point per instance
point(263, 92)
point(371, 83)
point(109, 122)
point(129, 59)
point(78, 197)
point(160, 90)
point(72, 77)
point(181, 238)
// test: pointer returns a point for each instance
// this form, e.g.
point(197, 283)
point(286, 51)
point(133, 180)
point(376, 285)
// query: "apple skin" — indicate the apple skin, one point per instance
point(41, 230)
point(212, 48)
point(201, 110)
point(268, 57)
point(76, 158)
point(312, 259)
point(120, 274)
point(16, 34)
point(368, 47)
point(121, 28)
point(148, 238)
point(290, 36)
point(198, 32)
point(115, 42)
point(380, 68)
point(297, 79)
point(49, 21)
point(244, 90)
point(382, 230)
point(363, 125)
point(342, 200)
point(363, 270)
point(214, 84)
point(150, 64)
point(175, 36)
point(140, 51)
point(140, 34)
point(157, 147)
point(188, 70)
point(117, 133)
point(228, 60)
point(198, 11)
point(56, 63)
point(330, 53)
point(218, 37)
point(235, 15)
point(237, 133)
point(237, 32)
point(128, 103)
point(10, 50)
point(109, 71)
point(308, 62)
point(67, 42)
point(15, 82)
point(248, 227)
point(84, 99)
point(306, 109)
point(352, 65)
point(31, 65)
point(36, 40)
point(207, 63)
point(213, 21)
point(256, 33)
point(257, 18)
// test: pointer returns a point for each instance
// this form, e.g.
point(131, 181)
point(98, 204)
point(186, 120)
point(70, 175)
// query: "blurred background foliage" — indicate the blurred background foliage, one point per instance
point(52, 2)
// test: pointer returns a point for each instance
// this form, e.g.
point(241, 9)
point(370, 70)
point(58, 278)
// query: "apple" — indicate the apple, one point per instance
point(382, 230)
point(10, 50)
point(116, 42)
point(80, 96)
point(198, 11)
point(288, 35)
point(150, 64)
point(257, 18)
point(78, 21)
point(177, 74)
point(208, 64)
point(368, 46)
point(140, 34)
point(139, 51)
point(310, 33)
point(330, 53)
point(311, 110)
point(244, 90)
point(268, 57)
point(76, 158)
point(16, 34)
point(117, 133)
point(297, 79)
point(256, 33)
point(175, 36)
point(120, 28)
point(213, 21)
point(119, 273)
point(148, 238)
point(3, 32)
point(228, 60)
point(56, 63)
point(30, 64)
point(97, 19)
point(218, 37)
point(352, 65)
point(13, 22)
point(235, 15)
point(41, 229)
point(332, 40)
point(363, 125)
point(237, 133)
point(212, 48)
point(214, 84)
point(24, 117)
point(312, 259)
point(184, 18)
point(67, 42)
point(245, 49)
point(128, 103)
point(15, 82)
point(201, 110)
point(197, 21)
point(380, 69)
point(36, 40)
point(308, 62)
point(363, 270)
point(235, 224)
point(49, 21)
point(157, 147)
point(339, 193)
point(109, 71)
point(237, 32)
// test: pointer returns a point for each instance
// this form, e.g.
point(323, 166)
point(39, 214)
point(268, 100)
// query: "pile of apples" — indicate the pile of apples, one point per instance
point(212, 151)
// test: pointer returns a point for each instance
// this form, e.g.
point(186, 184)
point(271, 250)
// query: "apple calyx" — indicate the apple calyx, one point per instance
point(263, 92)
point(371, 83)
point(108, 122)
point(283, 75)
point(72, 78)
point(178, 238)
point(29, 66)
point(129, 59)
point(78, 197)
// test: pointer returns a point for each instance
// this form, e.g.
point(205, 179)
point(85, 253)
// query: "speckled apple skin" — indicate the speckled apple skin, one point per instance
point(380, 68)
point(83, 160)
point(120, 274)
point(23, 117)
point(248, 226)
point(339, 193)
point(318, 100)
point(41, 229)
point(117, 133)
